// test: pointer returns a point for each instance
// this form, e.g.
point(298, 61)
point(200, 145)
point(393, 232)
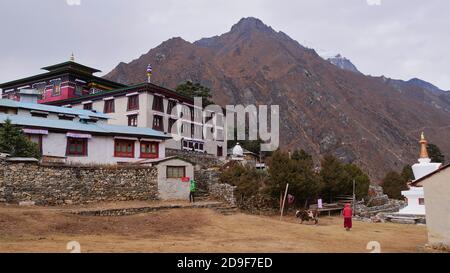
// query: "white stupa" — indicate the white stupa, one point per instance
point(415, 196)
point(237, 153)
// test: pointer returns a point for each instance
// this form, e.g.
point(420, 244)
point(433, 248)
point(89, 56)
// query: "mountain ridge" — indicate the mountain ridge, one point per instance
point(374, 122)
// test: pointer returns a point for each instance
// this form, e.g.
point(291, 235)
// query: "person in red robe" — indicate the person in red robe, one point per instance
point(347, 213)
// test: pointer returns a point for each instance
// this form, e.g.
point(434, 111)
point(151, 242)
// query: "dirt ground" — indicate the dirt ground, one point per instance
point(194, 230)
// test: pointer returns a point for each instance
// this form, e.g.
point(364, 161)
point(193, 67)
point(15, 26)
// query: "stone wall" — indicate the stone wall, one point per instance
point(56, 184)
point(208, 181)
point(206, 177)
point(202, 159)
point(224, 192)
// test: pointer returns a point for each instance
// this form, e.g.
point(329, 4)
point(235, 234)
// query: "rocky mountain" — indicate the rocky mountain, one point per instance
point(372, 121)
point(343, 63)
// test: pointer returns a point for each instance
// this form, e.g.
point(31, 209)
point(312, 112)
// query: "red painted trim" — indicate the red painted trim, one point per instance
point(84, 151)
point(149, 155)
point(124, 142)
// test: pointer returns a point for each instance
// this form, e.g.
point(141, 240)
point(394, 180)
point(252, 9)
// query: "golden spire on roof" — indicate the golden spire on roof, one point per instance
point(72, 57)
point(423, 146)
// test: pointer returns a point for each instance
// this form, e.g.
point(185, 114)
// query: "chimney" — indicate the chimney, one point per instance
point(29, 95)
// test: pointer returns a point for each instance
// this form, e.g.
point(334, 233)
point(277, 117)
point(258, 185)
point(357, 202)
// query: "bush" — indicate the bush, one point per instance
point(14, 142)
point(248, 181)
point(298, 171)
point(393, 183)
point(338, 179)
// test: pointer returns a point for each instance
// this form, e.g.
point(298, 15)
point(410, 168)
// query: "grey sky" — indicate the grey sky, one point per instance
point(399, 38)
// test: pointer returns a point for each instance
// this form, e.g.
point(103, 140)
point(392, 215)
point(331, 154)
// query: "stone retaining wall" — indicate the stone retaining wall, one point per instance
point(224, 192)
point(208, 181)
point(56, 184)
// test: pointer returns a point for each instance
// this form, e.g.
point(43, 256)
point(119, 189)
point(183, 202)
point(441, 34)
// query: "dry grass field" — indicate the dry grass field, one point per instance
point(37, 229)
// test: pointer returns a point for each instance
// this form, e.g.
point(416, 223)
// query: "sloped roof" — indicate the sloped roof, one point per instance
point(99, 128)
point(416, 182)
point(71, 64)
point(51, 108)
point(156, 161)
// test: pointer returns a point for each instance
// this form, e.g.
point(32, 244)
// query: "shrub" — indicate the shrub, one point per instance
point(393, 183)
point(14, 142)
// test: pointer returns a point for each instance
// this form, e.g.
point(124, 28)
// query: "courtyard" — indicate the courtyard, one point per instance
point(39, 229)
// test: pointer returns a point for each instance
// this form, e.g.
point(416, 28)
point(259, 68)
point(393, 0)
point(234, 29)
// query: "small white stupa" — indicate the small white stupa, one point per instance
point(237, 153)
point(415, 195)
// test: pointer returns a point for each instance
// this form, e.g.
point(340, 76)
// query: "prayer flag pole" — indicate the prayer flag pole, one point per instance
point(284, 201)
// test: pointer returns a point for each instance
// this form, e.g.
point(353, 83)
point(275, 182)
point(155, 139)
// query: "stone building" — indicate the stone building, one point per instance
point(150, 106)
point(61, 81)
point(146, 105)
point(67, 135)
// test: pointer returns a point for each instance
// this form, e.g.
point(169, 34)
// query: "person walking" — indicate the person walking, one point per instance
point(347, 213)
point(192, 190)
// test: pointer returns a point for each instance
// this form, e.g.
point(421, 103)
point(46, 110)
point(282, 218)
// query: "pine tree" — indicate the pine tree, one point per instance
point(191, 89)
point(407, 173)
point(333, 176)
point(338, 179)
point(14, 142)
point(304, 183)
point(435, 153)
point(393, 183)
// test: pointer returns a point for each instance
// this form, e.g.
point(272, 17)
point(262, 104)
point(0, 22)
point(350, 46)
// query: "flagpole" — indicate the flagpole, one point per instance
point(284, 201)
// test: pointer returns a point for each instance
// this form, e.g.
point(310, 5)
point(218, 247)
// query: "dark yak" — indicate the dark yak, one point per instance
point(308, 215)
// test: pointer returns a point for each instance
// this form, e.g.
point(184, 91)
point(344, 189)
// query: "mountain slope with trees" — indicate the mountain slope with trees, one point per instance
point(370, 121)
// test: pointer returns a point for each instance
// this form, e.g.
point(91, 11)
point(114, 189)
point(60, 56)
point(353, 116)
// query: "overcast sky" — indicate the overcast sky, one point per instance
point(396, 38)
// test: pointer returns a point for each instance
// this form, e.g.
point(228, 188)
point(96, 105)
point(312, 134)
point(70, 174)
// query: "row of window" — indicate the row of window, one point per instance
point(109, 106)
point(122, 148)
point(41, 88)
point(192, 145)
point(45, 115)
point(55, 89)
point(158, 105)
point(80, 89)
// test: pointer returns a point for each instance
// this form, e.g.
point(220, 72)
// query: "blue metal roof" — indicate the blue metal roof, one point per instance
point(50, 108)
point(99, 128)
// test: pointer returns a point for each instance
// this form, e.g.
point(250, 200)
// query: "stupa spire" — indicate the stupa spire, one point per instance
point(423, 146)
point(72, 57)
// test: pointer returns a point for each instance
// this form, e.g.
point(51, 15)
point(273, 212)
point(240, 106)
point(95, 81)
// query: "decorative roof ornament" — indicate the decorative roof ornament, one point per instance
point(72, 57)
point(149, 73)
point(423, 146)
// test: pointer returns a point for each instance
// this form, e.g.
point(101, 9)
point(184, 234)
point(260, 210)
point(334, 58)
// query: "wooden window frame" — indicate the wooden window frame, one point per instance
point(121, 143)
point(109, 106)
point(170, 105)
point(133, 103)
point(149, 154)
point(161, 124)
point(87, 106)
point(84, 146)
point(158, 104)
point(79, 90)
point(130, 120)
point(56, 89)
point(175, 167)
